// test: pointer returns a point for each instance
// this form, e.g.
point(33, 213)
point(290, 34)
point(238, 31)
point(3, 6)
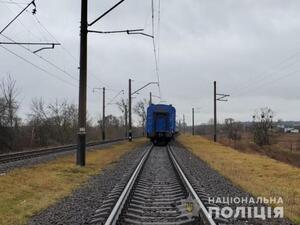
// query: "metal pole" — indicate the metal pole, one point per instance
point(126, 122)
point(103, 115)
point(183, 121)
point(150, 100)
point(129, 106)
point(80, 159)
point(193, 121)
point(215, 111)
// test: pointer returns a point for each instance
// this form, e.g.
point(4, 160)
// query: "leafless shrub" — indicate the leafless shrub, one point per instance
point(9, 121)
point(233, 129)
point(140, 109)
point(262, 126)
point(54, 123)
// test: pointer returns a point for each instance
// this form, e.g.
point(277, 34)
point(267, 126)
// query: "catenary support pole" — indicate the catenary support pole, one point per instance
point(129, 112)
point(80, 159)
point(126, 121)
point(103, 116)
point(150, 99)
point(193, 120)
point(215, 111)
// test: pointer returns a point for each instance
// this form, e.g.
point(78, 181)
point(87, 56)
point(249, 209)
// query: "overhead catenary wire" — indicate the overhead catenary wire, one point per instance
point(64, 49)
point(19, 14)
point(38, 67)
point(272, 81)
point(14, 3)
point(154, 48)
point(23, 25)
point(158, 32)
point(42, 58)
point(75, 59)
point(279, 67)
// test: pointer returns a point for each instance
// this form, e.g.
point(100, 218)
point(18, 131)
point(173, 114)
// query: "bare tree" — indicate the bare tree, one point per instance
point(54, 123)
point(64, 118)
point(39, 123)
point(9, 121)
point(233, 129)
point(123, 106)
point(262, 126)
point(140, 109)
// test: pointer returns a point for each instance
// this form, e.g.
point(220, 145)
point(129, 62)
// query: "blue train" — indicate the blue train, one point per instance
point(160, 123)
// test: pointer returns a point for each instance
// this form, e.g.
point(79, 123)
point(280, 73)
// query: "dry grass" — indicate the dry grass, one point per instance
point(279, 151)
point(26, 191)
point(256, 174)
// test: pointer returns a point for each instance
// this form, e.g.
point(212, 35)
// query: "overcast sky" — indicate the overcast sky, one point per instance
point(250, 47)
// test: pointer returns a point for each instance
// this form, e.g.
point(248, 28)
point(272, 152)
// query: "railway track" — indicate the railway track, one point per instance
point(6, 158)
point(157, 193)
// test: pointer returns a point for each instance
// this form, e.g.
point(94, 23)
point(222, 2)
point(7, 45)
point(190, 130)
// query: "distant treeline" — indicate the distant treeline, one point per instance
point(51, 124)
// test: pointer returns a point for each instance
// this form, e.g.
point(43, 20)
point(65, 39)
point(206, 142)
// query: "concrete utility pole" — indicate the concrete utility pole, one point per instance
point(130, 93)
point(222, 99)
point(193, 121)
point(183, 123)
point(103, 115)
point(129, 112)
point(215, 111)
point(126, 121)
point(80, 159)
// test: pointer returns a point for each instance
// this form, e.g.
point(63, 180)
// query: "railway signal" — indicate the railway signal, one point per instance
point(217, 97)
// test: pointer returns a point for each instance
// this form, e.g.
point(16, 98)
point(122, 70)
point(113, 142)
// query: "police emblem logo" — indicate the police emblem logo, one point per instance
point(189, 206)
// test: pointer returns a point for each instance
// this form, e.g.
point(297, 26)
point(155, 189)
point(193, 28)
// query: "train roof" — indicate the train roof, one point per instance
point(161, 107)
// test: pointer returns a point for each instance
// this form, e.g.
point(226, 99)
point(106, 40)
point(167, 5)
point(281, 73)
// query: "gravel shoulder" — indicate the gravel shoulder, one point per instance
point(215, 185)
point(81, 204)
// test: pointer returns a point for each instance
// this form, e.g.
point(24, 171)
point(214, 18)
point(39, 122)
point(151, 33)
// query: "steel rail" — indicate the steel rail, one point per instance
point(114, 215)
point(205, 214)
point(118, 207)
point(5, 158)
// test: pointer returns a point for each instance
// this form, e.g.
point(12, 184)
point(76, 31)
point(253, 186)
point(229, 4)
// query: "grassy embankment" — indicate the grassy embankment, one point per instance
point(285, 149)
point(256, 174)
point(26, 191)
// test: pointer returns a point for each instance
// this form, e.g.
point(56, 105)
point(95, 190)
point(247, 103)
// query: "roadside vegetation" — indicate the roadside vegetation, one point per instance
point(286, 149)
point(54, 123)
point(279, 139)
point(256, 174)
point(26, 191)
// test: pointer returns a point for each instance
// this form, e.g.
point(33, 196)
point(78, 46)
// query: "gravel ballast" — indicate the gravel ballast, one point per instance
point(81, 205)
point(215, 185)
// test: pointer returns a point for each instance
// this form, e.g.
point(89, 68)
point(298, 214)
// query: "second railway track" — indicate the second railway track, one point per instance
point(157, 193)
point(12, 157)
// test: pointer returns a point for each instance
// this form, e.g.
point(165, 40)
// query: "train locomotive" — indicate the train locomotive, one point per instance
point(160, 123)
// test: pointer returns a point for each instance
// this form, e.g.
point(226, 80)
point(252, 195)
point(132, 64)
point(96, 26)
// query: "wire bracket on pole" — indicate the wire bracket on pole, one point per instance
point(222, 97)
point(44, 48)
point(132, 31)
point(135, 92)
point(51, 45)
